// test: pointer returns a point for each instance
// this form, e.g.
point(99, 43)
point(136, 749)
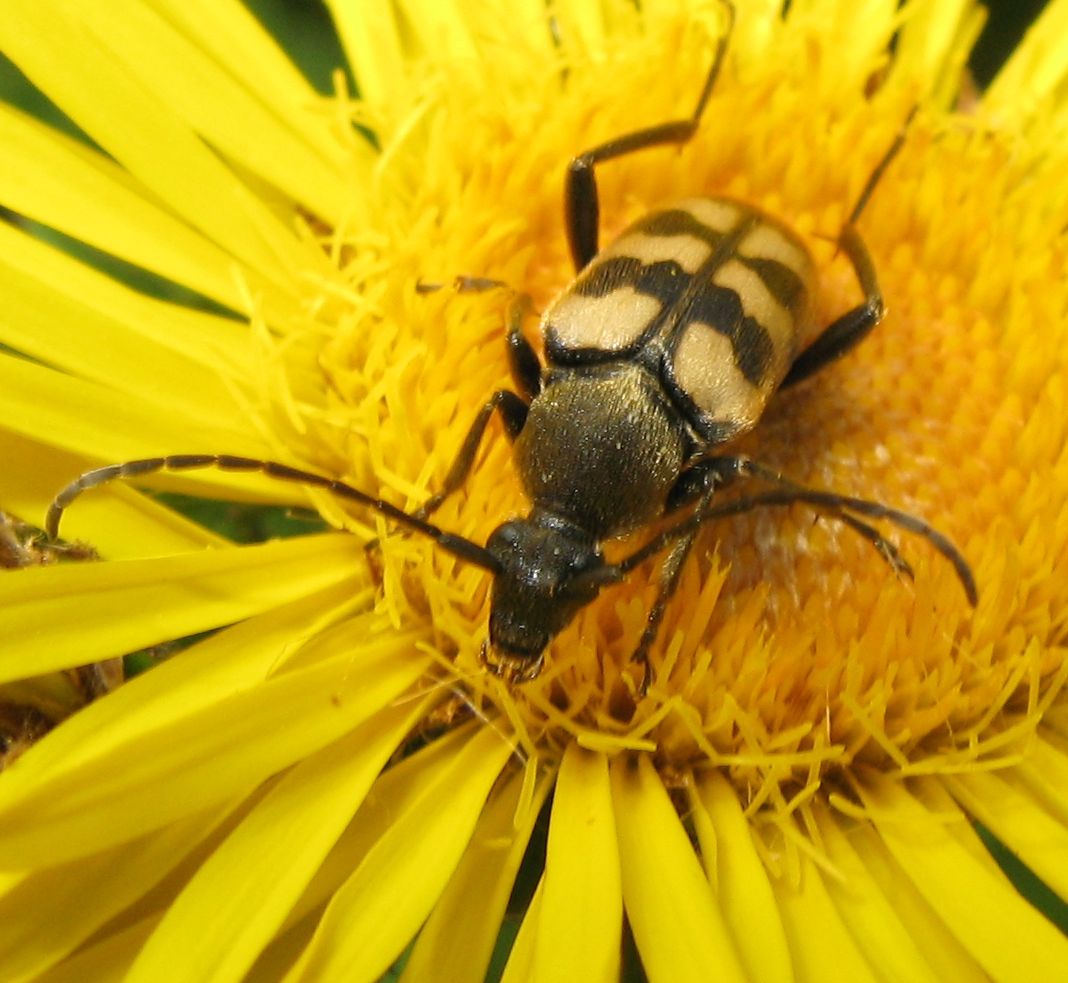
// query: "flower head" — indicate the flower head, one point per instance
point(335, 774)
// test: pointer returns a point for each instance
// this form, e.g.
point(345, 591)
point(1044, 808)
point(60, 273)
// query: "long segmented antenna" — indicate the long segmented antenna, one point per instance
point(838, 507)
point(459, 546)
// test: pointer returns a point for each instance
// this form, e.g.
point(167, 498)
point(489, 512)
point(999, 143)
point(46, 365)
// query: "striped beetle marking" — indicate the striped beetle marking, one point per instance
point(711, 295)
point(668, 344)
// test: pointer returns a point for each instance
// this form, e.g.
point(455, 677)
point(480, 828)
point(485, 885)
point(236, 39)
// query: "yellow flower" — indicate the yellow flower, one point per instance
point(331, 779)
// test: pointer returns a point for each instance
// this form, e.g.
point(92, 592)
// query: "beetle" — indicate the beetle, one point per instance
point(666, 346)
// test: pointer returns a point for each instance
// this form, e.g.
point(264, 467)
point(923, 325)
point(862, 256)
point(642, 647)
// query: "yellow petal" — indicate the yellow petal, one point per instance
point(1045, 773)
point(940, 947)
point(195, 759)
point(56, 896)
point(458, 939)
point(1006, 808)
point(93, 420)
point(870, 915)
point(937, 848)
point(739, 879)
point(677, 924)
point(236, 40)
point(579, 931)
point(228, 114)
point(818, 936)
point(379, 908)
point(242, 894)
point(58, 181)
point(118, 521)
point(521, 957)
point(71, 615)
point(1034, 74)
point(105, 961)
point(50, 323)
point(396, 790)
point(131, 123)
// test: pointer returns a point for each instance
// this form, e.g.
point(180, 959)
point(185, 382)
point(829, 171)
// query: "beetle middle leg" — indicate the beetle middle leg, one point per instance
point(526, 373)
point(581, 205)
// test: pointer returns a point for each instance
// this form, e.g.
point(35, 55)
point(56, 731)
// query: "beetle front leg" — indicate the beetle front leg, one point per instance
point(669, 582)
point(513, 413)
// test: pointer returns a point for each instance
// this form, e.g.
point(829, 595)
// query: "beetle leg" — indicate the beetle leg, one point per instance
point(703, 476)
point(522, 359)
point(708, 475)
point(851, 327)
point(669, 581)
point(513, 412)
point(843, 508)
point(581, 207)
point(854, 325)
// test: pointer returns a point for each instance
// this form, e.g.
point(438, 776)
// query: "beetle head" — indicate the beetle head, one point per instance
point(548, 571)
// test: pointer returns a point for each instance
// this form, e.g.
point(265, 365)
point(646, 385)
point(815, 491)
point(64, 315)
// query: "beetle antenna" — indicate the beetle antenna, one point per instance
point(458, 546)
point(838, 506)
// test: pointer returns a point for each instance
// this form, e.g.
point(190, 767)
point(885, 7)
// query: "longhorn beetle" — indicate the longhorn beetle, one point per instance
point(667, 345)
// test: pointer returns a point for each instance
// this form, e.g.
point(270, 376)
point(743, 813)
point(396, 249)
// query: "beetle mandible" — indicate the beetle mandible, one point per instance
point(667, 345)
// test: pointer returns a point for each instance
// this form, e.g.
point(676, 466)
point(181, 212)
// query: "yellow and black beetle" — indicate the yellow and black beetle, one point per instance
point(668, 344)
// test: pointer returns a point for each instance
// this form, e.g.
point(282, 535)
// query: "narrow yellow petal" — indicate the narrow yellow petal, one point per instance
point(57, 895)
point(195, 760)
point(1007, 936)
point(216, 105)
point(521, 958)
point(870, 915)
point(443, 28)
point(241, 895)
point(677, 924)
point(220, 343)
point(105, 961)
point(90, 419)
point(940, 947)
point(1045, 773)
point(393, 794)
point(1011, 813)
point(371, 37)
point(237, 41)
point(132, 124)
point(818, 937)
point(458, 939)
point(933, 43)
point(740, 879)
point(379, 908)
point(58, 617)
point(58, 328)
point(58, 181)
point(578, 934)
point(1038, 67)
point(232, 660)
